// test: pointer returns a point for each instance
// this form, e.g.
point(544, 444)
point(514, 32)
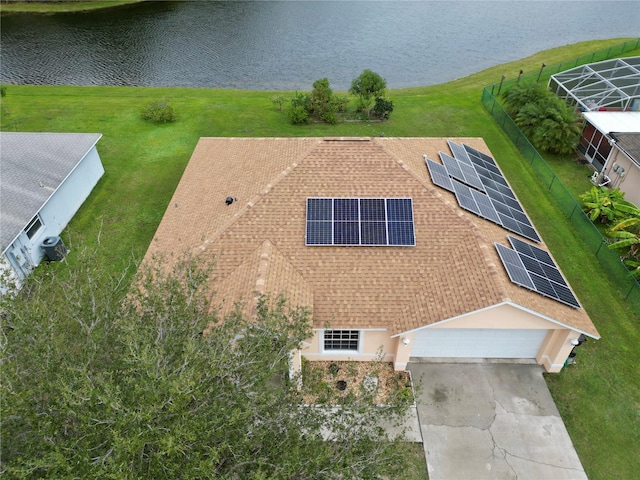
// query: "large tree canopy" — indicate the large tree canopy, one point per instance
point(367, 86)
point(101, 380)
point(547, 121)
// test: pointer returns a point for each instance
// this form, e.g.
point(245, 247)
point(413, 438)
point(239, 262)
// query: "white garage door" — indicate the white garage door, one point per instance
point(477, 343)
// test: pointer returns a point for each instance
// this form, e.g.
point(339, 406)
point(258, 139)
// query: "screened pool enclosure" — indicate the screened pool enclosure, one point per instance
point(608, 85)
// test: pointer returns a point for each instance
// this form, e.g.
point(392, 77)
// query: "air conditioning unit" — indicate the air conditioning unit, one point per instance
point(54, 249)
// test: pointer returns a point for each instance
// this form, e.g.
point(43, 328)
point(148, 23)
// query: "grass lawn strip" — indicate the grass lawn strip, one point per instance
point(598, 397)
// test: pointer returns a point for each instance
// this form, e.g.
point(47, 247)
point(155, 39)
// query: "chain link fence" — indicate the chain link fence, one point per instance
point(585, 229)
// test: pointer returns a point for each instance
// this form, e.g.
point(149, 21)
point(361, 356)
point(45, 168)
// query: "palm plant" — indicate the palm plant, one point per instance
point(627, 236)
point(606, 205)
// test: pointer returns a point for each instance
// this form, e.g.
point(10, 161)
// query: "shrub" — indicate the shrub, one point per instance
point(159, 112)
point(383, 108)
point(298, 115)
point(298, 111)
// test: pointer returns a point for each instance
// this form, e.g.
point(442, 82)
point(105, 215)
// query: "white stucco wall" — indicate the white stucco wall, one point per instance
point(25, 253)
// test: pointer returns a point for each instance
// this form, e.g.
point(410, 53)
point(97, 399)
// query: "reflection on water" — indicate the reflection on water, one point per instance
point(287, 45)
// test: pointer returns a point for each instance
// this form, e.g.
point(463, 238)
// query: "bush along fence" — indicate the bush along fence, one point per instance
point(590, 235)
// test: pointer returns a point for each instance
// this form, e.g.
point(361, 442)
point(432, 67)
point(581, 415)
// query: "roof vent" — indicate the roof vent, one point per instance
point(229, 200)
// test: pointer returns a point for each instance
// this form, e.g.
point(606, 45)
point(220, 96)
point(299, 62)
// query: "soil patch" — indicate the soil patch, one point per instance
point(331, 382)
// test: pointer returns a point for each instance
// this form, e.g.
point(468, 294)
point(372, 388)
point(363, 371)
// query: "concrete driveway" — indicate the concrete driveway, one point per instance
point(491, 421)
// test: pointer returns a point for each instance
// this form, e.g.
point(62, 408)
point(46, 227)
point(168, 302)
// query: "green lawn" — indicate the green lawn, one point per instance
point(598, 398)
point(49, 7)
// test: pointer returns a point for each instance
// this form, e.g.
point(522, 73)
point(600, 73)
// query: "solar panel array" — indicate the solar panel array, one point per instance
point(533, 268)
point(360, 221)
point(481, 188)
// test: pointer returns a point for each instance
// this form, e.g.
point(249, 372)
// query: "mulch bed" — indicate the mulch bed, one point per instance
point(329, 382)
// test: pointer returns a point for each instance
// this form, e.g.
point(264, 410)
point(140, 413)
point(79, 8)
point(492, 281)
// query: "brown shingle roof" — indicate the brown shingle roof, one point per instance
point(259, 240)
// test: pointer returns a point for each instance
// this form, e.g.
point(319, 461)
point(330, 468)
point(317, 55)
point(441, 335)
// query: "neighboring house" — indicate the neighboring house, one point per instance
point(611, 143)
point(386, 261)
point(44, 179)
point(608, 94)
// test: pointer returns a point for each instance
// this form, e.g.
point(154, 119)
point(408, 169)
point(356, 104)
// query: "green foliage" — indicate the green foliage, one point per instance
point(522, 94)
point(549, 123)
point(605, 205)
point(382, 108)
point(278, 101)
point(159, 111)
point(3, 91)
point(298, 112)
point(104, 380)
point(323, 104)
point(626, 238)
point(367, 86)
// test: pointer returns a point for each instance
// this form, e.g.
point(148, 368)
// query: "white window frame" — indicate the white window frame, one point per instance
point(35, 220)
point(341, 352)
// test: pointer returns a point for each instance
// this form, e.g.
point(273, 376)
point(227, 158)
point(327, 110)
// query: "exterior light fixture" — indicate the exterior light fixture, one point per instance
point(575, 342)
point(405, 341)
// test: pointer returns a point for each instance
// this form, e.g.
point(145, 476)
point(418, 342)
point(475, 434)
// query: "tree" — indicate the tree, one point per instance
point(522, 94)
point(367, 86)
point(278, 100)
point(550, 124)
point(101, 379)
point(298, 111)
point(323, 104)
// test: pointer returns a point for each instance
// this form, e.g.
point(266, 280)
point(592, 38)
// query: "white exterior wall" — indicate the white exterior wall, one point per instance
point(629, 182)
point(25, 253)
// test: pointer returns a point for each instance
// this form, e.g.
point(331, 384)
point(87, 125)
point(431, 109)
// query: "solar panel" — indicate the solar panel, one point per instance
point(471, 177)
point(515, 269)
point(543, 275)
point(464, 197)
point(439, 175)
point(360, 221)
point(459, 152)
point(451, 164)
point(476, 153)
point(319, 208)
point(486, 207)
point(346, 233)
point(401, 233)
point(373, 233)
point(399, 210)
point(319, 233)
point(372, 210)
point(472, 168)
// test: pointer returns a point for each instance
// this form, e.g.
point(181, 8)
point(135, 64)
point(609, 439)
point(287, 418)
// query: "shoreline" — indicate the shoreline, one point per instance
point(50, 8)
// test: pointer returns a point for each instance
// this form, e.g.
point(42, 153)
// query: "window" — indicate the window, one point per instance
point(341, 340)
point(32, 228)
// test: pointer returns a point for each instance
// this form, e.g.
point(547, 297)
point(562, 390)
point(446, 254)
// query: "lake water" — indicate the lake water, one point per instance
point(287, 45)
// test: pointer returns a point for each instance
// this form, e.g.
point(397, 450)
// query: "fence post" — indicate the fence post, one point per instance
point(552, 180)
point(575, 205)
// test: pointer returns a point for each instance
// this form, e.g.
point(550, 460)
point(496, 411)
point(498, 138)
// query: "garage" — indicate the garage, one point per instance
point(477, 343)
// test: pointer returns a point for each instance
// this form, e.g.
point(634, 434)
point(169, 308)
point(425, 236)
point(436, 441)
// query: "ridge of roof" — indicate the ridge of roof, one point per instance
point(253, 201)
point(452, 269)
point(261, 269)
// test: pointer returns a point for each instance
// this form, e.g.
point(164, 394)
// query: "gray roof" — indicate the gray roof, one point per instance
point(32, 167)
point(630, 144)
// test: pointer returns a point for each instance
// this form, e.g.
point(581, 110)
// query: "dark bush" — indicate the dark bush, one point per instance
point(383, 108)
